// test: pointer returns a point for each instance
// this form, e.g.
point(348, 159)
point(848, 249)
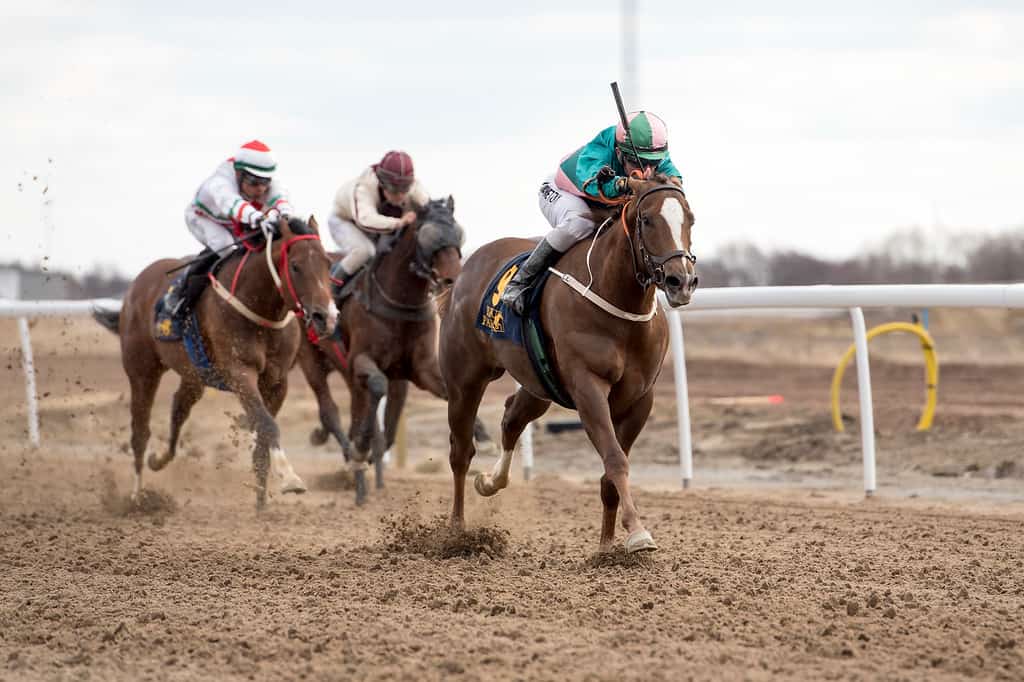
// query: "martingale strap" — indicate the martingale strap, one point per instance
point(246, 312)
point(601, 303)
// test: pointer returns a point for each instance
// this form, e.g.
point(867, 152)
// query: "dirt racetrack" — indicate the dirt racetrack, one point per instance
point(773, 565)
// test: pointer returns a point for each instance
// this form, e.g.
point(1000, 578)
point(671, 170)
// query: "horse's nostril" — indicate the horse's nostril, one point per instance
point(673, 282)
point(693, 283)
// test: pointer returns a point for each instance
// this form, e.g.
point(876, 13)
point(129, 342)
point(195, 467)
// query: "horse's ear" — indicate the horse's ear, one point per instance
point(451, 204)
point(313, 224)
point(284, 227)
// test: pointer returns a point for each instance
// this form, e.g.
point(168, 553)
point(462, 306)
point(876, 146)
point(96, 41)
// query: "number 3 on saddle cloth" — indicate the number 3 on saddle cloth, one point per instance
point(186, 330)
point(501, 322)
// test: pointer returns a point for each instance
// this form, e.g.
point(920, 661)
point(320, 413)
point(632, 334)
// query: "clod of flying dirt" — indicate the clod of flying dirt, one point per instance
point(619, 558)
point(148, 503)
point(438, 540)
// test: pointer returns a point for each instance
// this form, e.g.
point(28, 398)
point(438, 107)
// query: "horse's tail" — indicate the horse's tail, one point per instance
point(444, 302)
point(111, 319)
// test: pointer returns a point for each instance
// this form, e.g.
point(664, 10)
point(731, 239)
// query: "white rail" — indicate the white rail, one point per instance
point(22, 311)
point(853, 298)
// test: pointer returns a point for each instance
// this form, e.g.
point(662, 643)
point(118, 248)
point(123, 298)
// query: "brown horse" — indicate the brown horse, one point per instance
point(607, 349)
point(247, 326)
point(389, 338)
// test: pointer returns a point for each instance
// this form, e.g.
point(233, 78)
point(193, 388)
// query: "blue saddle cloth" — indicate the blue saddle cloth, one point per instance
point(498, 320)
point(170, 328)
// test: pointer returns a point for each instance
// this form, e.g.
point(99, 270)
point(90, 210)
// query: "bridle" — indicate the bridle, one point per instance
point(653, 264)
point(300, 309)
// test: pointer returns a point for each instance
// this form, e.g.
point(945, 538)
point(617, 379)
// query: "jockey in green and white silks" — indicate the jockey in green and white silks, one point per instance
point(242, 194)
point(567, 196)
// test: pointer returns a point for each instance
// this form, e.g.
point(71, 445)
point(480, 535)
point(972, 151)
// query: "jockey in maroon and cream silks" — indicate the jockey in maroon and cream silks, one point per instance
point(591, 175)
point(241, 195)
point(381, 200)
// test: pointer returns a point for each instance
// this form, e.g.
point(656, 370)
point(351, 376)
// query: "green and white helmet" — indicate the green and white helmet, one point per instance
point(255, 158)
point(649, 135)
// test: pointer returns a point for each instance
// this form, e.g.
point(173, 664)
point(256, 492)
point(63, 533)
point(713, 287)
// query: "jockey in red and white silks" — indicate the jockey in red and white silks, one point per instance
point(240, 194)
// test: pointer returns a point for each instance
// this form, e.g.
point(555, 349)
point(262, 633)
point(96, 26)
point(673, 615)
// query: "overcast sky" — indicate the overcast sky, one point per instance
point(810, 125)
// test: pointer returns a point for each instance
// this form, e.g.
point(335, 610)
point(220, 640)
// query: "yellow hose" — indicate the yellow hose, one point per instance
point(931, 364)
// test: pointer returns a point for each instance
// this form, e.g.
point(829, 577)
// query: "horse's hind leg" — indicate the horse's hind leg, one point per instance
point(185, 398)
point(428, 377)
point(463, 402)
point(316, 369)
point(626, 431)
point(521, 408)
point(143, 381)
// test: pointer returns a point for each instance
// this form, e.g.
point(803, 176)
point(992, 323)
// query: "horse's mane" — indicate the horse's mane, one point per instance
point(299, 226)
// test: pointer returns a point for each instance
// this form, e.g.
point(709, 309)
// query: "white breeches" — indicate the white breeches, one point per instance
point(353, 242)
point(568, 214)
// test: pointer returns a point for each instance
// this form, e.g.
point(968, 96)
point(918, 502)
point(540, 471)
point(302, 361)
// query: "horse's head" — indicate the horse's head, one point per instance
point(660, 239)
point(303, 267)
point(439, 242)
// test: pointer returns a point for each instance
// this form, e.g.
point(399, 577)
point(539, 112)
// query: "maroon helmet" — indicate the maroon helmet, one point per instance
point(395, 171)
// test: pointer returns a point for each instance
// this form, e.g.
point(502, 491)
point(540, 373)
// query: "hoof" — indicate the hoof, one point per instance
point(154, 462)
point(318, 436)
point(640, 541)
point(294, 485)
point(484, 488)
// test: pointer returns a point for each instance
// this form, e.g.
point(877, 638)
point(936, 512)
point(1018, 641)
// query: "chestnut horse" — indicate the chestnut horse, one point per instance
point(607, 343)
point(248, 328)
point(389, 337)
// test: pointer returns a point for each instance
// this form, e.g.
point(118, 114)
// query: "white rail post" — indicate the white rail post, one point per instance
point(867, 417)
point(526, 447)
point(675, 329)
point(30, 382)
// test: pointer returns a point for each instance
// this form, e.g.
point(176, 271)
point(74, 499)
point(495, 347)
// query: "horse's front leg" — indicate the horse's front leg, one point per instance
point(591, 397)
point(267, 433)
point(273, 389)
point(628, 425)
point(368, 387)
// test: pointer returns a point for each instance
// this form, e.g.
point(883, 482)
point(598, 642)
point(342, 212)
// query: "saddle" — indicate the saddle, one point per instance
point(171, 328)
point(498, 320)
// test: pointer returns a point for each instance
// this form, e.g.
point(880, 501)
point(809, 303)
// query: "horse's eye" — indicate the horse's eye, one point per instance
point(295, 268)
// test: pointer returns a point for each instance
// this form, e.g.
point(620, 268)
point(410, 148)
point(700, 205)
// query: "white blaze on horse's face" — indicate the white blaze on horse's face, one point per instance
point(672, 212)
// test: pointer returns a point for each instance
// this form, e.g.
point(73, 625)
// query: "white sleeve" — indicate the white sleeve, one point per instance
point(228, 202)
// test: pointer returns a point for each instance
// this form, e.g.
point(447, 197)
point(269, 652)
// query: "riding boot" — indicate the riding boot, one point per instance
point(341, 282)
point(518, 289)
point(185, 297)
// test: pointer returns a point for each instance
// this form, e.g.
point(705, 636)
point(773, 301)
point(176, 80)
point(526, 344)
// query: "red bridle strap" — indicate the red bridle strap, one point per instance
point(300, 312)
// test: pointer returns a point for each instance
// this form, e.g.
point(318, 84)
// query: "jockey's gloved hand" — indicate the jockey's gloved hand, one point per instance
point(256, 219)
point(605, 174)
point(621, 184)
point(273, 217)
